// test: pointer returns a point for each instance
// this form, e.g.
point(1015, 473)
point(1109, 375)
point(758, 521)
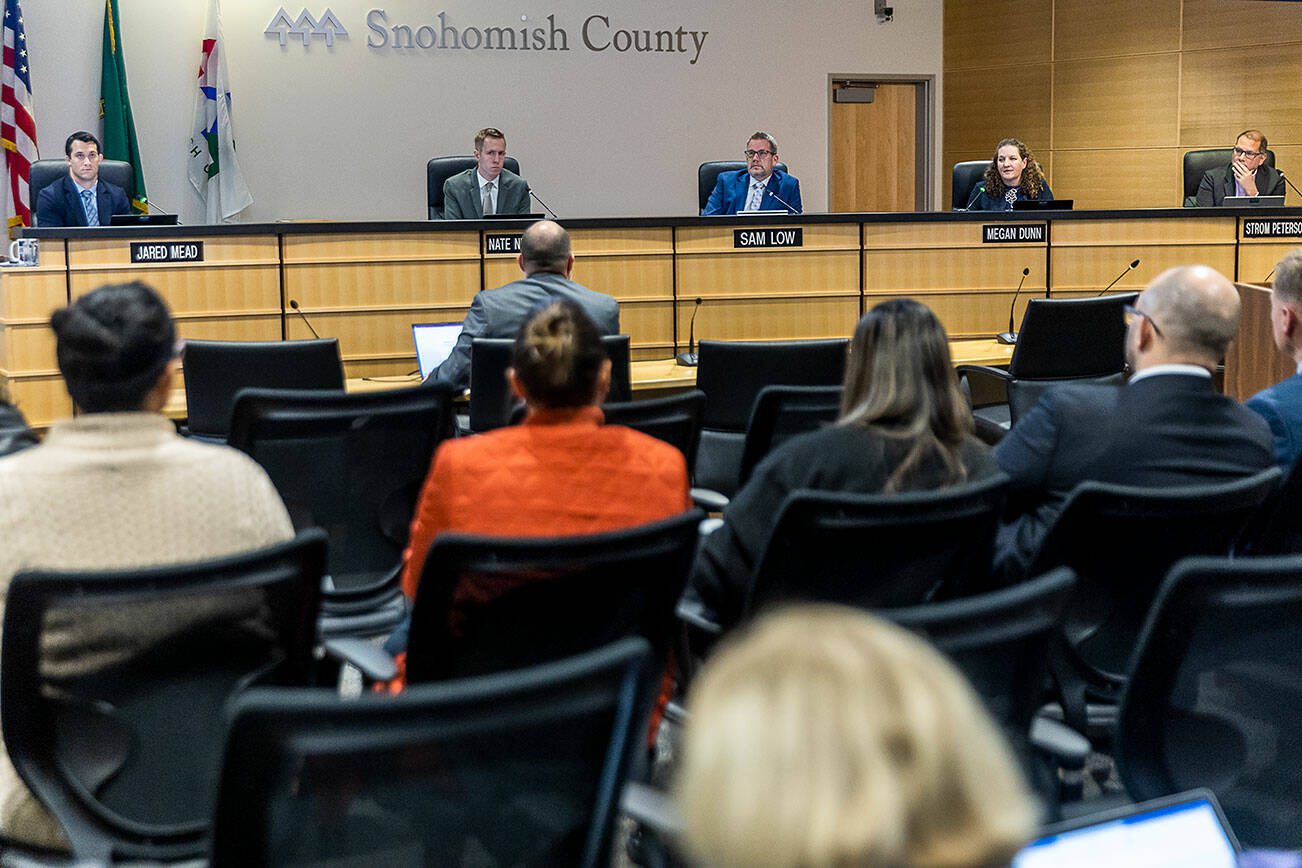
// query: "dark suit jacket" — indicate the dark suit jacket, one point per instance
point(732, 188)
point(60, 204)
point(501, 312)
point(1219, 183)
point(1281, 407)
point(980, 200)
point(1165, 430)
point(461, 199)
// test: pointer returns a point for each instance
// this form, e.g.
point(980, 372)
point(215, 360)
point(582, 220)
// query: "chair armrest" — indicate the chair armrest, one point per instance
point(693, 613)
point(709, 500)
point(651, 808)
point(986, 385)
point(1061, 742)
point(369, 659)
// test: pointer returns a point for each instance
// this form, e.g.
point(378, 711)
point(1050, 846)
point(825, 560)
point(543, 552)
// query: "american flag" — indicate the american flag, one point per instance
point(17, 117)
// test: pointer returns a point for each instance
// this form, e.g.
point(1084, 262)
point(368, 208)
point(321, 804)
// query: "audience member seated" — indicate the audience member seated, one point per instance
point(560, 473)
point(1281, 404)
point(823, 737)
point(1167, 427)
point(1014, 175)
point(904, 426)
point(14, 433)
point(116, 487)
point(547, 262)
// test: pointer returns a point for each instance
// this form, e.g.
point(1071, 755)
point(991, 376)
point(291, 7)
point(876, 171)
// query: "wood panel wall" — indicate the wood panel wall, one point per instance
point(1109, 94)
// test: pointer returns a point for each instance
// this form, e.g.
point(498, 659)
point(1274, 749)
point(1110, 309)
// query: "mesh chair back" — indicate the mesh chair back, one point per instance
point(439, 169)
point(1198, 163)
point(1278, 528)
point(1215, 688)
point(113, 684)
point(880, 550)
point(963, 181)
point(675, 419)
point(352, 465)
point(489, 604)
point(707, 175)
point(46, 172)
point(1122, 540)
point(215, 371)
point(782, 412)
point(523, 768)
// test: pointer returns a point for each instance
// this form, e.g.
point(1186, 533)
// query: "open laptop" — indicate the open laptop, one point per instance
point(434, 342)
point(1187, 830)
point(143, 220)
point(1051, 205)
point(1253, 201)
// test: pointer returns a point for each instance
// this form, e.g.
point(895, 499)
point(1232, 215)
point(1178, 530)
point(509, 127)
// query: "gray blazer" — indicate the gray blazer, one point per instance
point(461, 200)
point(1219, 183)
point(501, 312)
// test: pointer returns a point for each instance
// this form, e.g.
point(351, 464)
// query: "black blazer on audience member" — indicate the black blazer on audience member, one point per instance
point(1164, 430)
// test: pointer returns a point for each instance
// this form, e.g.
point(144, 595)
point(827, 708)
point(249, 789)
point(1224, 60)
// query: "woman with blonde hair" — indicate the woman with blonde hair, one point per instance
point(904, 426)
point(1014, 175)
point(822, 736)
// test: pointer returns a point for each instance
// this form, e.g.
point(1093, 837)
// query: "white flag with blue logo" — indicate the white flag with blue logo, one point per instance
point(213, 167)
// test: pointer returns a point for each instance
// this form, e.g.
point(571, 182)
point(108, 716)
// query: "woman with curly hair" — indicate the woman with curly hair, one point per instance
point(1013, 175)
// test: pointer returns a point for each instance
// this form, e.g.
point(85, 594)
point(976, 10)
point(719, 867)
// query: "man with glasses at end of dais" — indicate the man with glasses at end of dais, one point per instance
point(758, 187)
point(1246, 175)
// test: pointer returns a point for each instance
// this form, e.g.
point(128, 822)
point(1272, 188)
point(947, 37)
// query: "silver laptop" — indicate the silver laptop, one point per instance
point(1182, 831)
point(434, 342)
point(1253, 201)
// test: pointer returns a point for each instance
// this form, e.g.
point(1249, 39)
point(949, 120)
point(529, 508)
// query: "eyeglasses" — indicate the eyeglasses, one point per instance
point(1133, 313)
point(1239, 152)
point(750, 155)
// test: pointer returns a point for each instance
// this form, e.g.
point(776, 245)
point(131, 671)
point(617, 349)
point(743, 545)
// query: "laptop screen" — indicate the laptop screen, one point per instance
point(434, 343)
point(1186, 831)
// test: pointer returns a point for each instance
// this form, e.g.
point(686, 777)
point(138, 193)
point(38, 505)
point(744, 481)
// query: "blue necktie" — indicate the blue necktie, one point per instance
point(92, 209)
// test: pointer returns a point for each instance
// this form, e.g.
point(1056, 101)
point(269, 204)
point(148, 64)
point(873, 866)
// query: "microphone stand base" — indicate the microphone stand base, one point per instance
point(1007, 338)
point(686, 360)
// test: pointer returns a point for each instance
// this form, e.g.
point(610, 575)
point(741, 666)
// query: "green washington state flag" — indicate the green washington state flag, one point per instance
point(115, 106)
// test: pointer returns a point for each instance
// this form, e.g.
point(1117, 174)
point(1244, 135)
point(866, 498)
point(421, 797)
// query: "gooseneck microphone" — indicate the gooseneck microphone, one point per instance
point(1291, 184)
point(542, 203)
point(293, 303)
point(1010, 336)
point(783, 202)
point(150, 202)
point(1129, 268)
point(689, 358)
point(1269, 276)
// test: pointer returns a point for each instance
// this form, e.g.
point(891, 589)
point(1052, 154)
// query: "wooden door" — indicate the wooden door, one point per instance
point(874, 148)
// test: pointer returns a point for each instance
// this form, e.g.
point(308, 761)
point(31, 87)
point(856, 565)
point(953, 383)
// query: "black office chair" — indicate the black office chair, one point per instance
point(1121, 540)
point(439, 169)
point(707, 175)
point(1198, 163)
point(124, 749)
point(491, 403)
point(352, 465)
point(676, 419)
point(1215, 691)
point(550, 597)
point(732, 374)
point(46, 172)
point(215, 372)
point(965, 177)
point(1277, 529)
point(783, 412)
point(523, 768)
point(1062, 340)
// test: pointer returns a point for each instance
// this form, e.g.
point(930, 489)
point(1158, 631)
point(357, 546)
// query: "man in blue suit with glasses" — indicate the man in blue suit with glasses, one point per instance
point(758, 187)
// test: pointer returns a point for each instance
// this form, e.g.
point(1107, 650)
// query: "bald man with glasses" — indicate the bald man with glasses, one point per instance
point(1246, 175)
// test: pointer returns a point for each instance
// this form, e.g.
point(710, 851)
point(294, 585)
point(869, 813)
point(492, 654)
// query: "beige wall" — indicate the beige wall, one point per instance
point(345, 132)
point(1109, 94)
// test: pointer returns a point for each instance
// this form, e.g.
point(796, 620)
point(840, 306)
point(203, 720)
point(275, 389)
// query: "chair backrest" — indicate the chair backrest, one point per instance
point(215, 372)
point(707, 174)
point(880, 550)
point(782, 412)
point(351, 464)
point(46, 172)
point(439, 169)
point(523, 768)
point(1213, 696)
point(965, 177)
point(487, 604)
point(733, 373)
point(491, 403)
point(1277, 530)
point(675, 419)
point(1198, 163)
point(113, 685)
point(1122, 540)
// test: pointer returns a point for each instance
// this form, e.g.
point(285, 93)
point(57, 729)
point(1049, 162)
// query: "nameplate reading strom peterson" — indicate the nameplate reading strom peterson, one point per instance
point(166, 251)
point(1006, 233)
point(794, 237)
point(1272, 228)
point(502, 242)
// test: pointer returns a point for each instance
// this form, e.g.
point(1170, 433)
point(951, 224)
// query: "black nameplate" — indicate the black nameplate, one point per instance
point(1272, 228)
point(166, 251)
point(1012, 233)
point(793, 237)
point(502, 242)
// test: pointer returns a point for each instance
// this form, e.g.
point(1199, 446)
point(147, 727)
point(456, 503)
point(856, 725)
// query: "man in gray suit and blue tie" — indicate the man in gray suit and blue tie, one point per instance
point(489, 188)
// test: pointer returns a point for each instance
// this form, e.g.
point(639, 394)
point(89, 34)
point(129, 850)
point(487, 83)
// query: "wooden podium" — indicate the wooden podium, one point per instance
point(1252, 362)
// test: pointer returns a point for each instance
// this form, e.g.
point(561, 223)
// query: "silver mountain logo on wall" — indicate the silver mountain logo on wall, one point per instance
point(305, 26)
